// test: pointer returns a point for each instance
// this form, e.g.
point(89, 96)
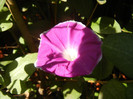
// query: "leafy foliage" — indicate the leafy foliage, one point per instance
point(4, 95)
point(113, 89)
point(103, 69)
point(18, 72)
point(105, 25)
point(71, 90)
point(112, 78)
point(2, 2)
point(5, 15)
point(118, 49)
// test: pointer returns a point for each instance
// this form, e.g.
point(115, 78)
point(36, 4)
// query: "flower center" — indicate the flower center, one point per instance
point(70, 54)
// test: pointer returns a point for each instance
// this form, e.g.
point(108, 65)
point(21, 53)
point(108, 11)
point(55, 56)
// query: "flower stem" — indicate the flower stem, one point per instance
point(21, 24)
point(91, 81)
point(89, 19)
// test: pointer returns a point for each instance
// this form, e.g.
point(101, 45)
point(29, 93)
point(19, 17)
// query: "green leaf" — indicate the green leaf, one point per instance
point(2, 2)
point(64, 11)
point(18, 87)
point(5, 26)
point(118, 49)
point(129, 91)
point(19, 70)
point(54, 87)
point(105, 25)
point(103, 69)
point(72, 90)
point(1, 80)
point(3, 95)
point(5, 15)
point(4, 63)
point(101, 2)
point(112, 90)
point(89, 79)
point(21, 40)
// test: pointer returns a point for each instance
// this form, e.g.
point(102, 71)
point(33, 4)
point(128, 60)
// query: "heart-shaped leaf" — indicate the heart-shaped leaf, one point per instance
point(118, 48)
point(112, 90)
point(5, 15)
point(19, 70)
point(105, 25)
point(103, 69)
point(2, 2)
point(72, 90)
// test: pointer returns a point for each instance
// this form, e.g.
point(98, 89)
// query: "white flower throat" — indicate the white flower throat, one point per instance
point(70, 54)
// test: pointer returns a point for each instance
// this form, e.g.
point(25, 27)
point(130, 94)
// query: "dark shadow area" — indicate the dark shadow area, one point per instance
point(23, 86)
point(30, 69)
point(129, 90)
point(14, 90)
point(106, 24)
point(9, 68)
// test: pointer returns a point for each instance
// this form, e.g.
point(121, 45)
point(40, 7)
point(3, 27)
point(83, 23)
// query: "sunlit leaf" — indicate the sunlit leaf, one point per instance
point(64, 0)
point(4, 63)
point(1, 80)
point(3, 95)
point(19, 70)
point(54, 87)
point(112, 90)
point(5, 26)
point(18, 87)
point(5, 15)
point(101, 2)
point(72, 90)
point(118, 49)
point(96, 94)
point(21, 40)
point(89, 79)
point(2, 2)
point(105, 25)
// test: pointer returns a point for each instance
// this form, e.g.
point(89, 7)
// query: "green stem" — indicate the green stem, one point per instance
point(21, 24)
point(89, 20)
point(89, 81)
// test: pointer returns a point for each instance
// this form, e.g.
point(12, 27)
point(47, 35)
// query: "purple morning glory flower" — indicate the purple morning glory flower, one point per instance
point(69, 49)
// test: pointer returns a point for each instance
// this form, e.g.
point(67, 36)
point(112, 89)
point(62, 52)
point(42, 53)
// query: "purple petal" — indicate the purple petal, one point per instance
point(69, 49)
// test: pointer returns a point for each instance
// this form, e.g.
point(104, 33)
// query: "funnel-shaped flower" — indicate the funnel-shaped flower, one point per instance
point(69, 49)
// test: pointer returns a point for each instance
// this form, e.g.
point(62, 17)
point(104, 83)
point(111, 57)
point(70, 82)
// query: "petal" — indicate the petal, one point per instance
point(69, 34)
